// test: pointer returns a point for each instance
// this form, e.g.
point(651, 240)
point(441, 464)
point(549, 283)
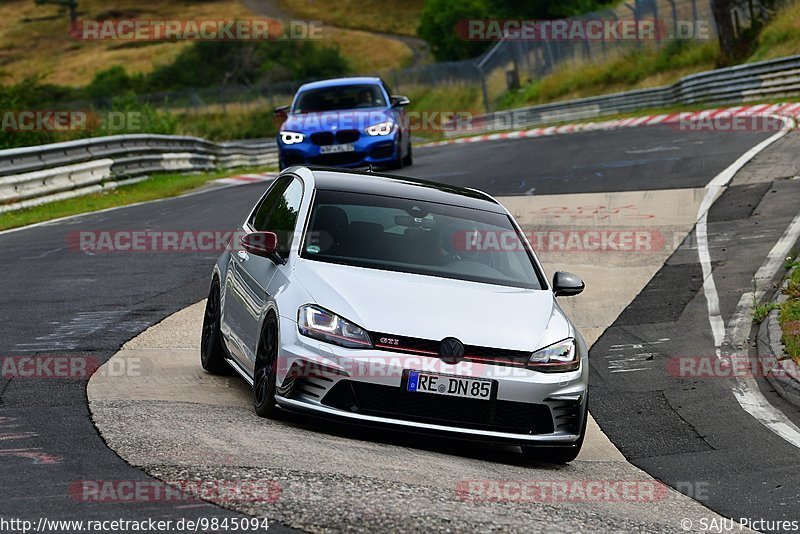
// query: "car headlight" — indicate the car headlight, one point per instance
point(290, 138)
point(558, 357)
point(318, 323)
point(384, 128)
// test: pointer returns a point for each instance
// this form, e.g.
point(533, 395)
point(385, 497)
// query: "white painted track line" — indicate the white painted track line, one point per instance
point(745, 390)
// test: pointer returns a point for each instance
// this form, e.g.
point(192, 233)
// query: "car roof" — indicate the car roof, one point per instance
point(402, 187)
point(355, 80)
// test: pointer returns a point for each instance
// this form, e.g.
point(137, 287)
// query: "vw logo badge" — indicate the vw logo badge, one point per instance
point(451, 350)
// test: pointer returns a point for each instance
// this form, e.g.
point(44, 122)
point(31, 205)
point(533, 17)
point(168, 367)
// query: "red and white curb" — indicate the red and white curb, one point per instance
point(693, 121)
point(244, 179)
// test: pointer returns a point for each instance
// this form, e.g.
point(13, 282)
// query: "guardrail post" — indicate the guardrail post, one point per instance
point(674, 19)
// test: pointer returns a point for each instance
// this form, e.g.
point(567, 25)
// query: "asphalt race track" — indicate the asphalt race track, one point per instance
point(690, 434)
point(685, 428)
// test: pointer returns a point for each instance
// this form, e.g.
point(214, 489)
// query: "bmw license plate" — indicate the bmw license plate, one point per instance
point(335, 149)
point(453, 386)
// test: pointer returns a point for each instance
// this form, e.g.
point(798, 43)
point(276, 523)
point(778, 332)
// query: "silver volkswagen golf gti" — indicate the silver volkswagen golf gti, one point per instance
point(392, 301)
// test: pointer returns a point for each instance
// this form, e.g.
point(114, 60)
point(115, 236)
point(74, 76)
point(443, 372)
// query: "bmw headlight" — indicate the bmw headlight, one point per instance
point(318, 323)
point(558, 357)
point(291, 138)
point(384, 128)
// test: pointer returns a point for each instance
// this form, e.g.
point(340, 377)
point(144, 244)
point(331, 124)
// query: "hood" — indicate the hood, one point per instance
point(434, 308)
point(335, 120)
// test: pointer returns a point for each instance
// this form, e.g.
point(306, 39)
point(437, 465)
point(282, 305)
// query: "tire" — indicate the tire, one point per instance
point(212, 353)
point(557, 455)
point(409, 159)
point(266, 367)
point(281, 164)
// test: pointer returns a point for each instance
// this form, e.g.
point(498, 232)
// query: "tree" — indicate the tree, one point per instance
point(438, 27)
point(69, 5)
point(725, 30)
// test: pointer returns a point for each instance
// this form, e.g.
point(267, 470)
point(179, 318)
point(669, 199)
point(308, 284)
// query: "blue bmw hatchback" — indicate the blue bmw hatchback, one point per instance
point(346, 122)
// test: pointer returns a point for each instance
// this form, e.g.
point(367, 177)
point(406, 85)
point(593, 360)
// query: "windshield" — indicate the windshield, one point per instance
point(340, 97)
point(412, 236)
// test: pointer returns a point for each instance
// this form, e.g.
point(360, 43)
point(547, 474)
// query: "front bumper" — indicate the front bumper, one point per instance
point(377, 150)
point(368, 387)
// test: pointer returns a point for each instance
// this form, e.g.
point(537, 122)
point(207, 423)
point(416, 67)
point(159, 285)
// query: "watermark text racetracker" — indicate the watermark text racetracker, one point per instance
point(256, 29)
point(561, 491)
point(70, 120)
point(395, 365)
point(599, 29)
point(100, 241)
point(432, 120)
point(612, 240)
point(731, 366)
point(729, 121)
point(561, 240)
point(154, 491)
point(69, 367)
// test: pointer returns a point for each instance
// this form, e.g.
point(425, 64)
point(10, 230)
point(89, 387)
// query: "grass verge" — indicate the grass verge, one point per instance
point(789, 314)
point(34, 41)
point(386, 16)
point(156, 187)
point(634, 69)
point(761, 312)
point(642, 68)
point(781, 37)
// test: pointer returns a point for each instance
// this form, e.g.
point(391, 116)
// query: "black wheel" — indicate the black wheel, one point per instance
point(409, 159)
point(266, 370)
point(212, 353)
point(557, 455)
point(281, 163)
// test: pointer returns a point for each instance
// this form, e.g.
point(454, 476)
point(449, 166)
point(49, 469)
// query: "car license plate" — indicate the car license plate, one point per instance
point(453, 386)
point(335, 149)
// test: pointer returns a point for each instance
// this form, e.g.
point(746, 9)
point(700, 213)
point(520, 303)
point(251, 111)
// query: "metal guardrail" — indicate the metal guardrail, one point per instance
point(39, 174)
point(766, 80)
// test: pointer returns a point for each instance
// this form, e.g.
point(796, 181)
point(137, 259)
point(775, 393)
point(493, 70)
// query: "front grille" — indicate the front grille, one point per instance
point(322, 138)
point(341, 158)
point(397, 403)
point(347, 136)
point(495, 356)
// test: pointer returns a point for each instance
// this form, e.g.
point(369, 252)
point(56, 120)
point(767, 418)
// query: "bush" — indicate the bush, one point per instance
point(113, 82)
point(29, 95)
point(210, 63)
point(437, 27)
point(245, 124)
point(150, 120)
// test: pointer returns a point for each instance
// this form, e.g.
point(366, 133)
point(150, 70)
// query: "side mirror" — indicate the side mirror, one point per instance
point(279, 116)
point(264, 244)
point(567, 284)
point(399, 101)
